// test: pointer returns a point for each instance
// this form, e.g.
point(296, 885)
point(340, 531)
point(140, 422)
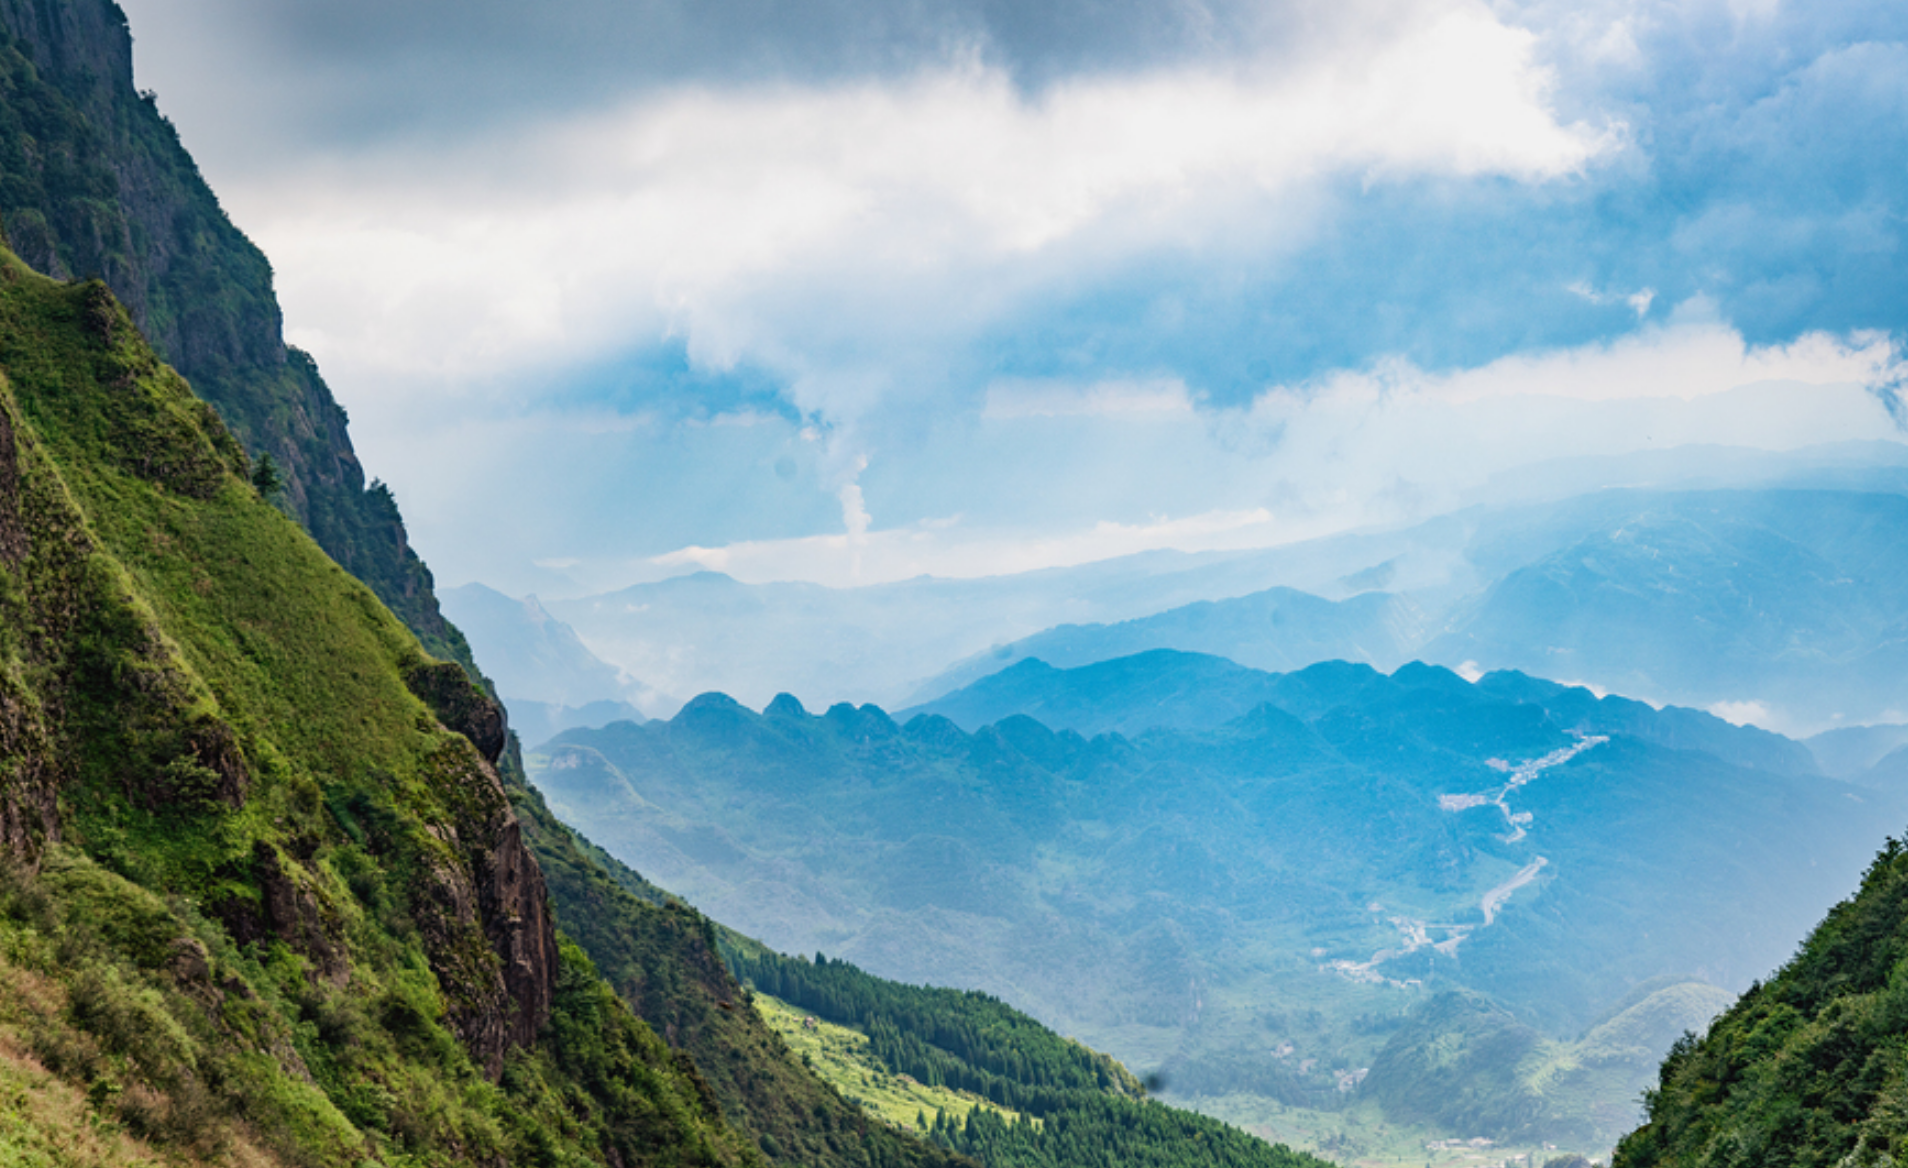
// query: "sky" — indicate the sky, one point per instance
point(850, 291)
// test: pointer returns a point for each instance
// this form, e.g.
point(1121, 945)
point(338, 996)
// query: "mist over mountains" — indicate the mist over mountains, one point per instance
point(1333, 837)
point(1782, 604)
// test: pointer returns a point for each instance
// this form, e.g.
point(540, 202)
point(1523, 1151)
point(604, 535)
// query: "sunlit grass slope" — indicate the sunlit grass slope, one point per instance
point(259, 898)
point(1053, 1100)
point(842, 1057)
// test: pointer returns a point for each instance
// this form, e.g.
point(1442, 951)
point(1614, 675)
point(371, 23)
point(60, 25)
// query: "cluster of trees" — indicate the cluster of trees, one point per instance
point(1808, 1068)
point(1077, 1108)
point(1110, 1132)
point(961, 1039)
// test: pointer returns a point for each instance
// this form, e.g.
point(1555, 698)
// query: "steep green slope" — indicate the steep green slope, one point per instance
point(260, 897)
point(1808, 1068)
point(95, 183)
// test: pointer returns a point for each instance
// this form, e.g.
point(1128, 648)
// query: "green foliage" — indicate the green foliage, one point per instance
point(1114, 1132)
point(601, 1068)
point(1077, 1107)
point(258, 930)
point(1809, 1068)
point(841, 1057)
point(964, 1040)
point(267, 479)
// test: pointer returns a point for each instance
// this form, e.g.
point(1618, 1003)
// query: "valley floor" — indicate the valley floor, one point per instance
point(1361, 1137)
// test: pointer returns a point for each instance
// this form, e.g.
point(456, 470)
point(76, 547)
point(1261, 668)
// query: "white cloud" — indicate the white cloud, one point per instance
point(772, 223)
point(1359, 450)
point(938, 548)
point(1693, 356)
point(1639, 301)
point(1741, 713)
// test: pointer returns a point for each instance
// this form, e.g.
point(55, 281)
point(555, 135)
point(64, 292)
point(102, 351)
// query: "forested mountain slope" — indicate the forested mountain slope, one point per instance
point(1808, 1068)
point(1070, 1105)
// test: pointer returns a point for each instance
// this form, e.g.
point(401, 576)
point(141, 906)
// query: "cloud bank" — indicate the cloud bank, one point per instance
point(971, 287)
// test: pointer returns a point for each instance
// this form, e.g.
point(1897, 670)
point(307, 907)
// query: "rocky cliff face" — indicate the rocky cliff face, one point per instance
point(94, 182)
point(497, 882)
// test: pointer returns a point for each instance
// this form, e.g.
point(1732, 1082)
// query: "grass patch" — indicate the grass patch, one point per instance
point(841, 1056)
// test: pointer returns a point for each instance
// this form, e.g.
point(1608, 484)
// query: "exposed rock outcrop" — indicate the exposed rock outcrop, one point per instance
point(291, 912)
point(460, 705)
point(486, 916)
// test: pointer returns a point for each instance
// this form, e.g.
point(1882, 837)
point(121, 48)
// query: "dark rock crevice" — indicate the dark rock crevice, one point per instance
point(484, 913)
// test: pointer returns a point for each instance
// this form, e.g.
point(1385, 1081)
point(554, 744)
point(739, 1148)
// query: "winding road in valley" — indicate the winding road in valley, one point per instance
point(1415, 934)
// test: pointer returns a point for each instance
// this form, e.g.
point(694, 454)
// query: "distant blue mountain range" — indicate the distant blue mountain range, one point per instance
point(1198, 865)
point(1781, 606)
point(1783, 602)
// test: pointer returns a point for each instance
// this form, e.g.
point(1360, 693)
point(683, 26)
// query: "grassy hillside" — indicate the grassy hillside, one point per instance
point(94, 182)
point(1809, 1067)
point(845, 1059)
point(260, 902)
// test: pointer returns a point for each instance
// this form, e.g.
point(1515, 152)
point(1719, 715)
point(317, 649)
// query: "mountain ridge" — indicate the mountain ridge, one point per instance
point(1346, 837)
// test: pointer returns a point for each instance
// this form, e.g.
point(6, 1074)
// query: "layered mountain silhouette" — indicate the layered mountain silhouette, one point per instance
point(1780, 605)
point(1163, 852)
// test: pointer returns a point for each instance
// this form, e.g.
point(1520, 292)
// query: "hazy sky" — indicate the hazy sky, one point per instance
point(853, 290)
